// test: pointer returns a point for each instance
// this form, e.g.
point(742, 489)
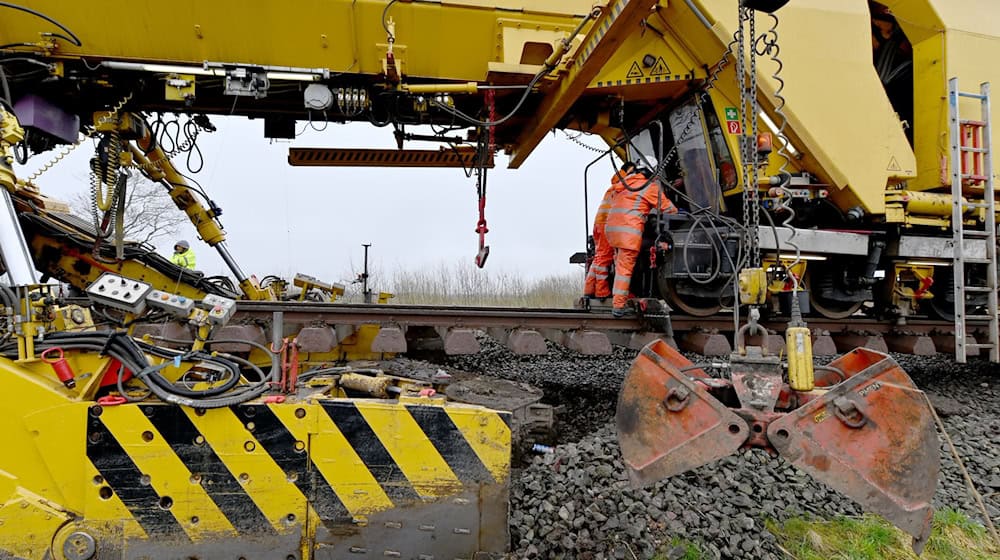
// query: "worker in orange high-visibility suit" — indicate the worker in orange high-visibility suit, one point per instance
point(632, 201)
point(596, 283)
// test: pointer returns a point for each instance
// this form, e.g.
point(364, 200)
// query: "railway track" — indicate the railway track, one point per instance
point(525, 331)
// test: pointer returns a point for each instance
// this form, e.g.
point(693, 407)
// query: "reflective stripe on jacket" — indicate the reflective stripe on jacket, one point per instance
point(629, 209)
point(602, 211)
point(601, 217)
point(183, 260)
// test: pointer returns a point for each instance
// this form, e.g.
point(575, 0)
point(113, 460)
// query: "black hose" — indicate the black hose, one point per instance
point(121, 388)
point(127, 351)
point(72, 36)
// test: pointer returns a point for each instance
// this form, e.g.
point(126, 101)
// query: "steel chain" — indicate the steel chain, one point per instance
point(741, 77)
point(748, 119)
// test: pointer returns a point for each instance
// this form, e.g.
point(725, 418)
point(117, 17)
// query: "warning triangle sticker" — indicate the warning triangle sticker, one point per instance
point(660, 68)
point(634, 71)
point(893, 165)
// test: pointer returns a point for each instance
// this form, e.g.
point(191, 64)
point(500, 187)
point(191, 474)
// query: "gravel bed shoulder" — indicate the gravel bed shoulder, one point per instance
point(577, 502)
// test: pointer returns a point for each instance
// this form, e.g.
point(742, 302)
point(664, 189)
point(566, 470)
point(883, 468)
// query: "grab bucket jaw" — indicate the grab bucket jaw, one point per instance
point(866, 430)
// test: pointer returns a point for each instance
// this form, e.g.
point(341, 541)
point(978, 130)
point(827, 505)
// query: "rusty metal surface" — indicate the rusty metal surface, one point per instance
point(669, 424)
point(866, 431)
point(872, 438)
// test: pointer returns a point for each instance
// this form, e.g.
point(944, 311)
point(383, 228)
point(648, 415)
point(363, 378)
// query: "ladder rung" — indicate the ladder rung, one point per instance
point(980, 289)
point(977, 345)
point(972, 122)
point(976, 233)
point(975, 177)
point(971, 95)
point(975, 205)
point(974, 150)
point(976, 261)
point(978, 317)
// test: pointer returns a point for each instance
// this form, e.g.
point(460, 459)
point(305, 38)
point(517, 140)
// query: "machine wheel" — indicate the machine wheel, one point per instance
point(834, 309)
point(690, 305)
point(829, 308)
point(938, 306)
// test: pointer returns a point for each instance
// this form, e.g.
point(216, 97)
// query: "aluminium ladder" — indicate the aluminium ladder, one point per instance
point(972, 165)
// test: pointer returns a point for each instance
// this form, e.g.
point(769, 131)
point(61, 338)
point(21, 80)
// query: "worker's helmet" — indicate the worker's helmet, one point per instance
point(183, 244)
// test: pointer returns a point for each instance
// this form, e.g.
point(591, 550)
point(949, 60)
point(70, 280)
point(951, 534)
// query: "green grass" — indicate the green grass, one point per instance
point(691, 550)
point(954, 537)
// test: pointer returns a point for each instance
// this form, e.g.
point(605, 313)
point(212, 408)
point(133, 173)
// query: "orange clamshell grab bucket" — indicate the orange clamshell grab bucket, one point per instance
point(870, 436)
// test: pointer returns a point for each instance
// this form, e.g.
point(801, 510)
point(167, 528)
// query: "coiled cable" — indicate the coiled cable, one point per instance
point(767, 45)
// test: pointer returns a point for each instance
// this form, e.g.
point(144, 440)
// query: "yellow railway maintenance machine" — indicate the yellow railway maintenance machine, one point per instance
point(875, 183)
point(120, 447)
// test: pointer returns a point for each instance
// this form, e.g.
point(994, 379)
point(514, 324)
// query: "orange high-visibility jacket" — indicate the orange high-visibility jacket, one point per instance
point(629, 209)
point(601, 217)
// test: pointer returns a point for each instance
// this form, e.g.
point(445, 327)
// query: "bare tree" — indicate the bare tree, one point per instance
point(149, 212)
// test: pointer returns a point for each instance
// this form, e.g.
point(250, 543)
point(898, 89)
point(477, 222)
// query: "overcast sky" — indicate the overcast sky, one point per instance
point(281, 219)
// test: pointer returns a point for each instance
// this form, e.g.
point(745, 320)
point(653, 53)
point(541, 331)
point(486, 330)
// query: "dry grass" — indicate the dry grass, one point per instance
point(461, 283)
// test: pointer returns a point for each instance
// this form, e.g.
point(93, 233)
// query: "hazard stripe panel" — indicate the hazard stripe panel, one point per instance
point(488, 434)
point(369, 448)
point(166, 474)
point(206, 467)
point(411, 449)
point(339, 463)
point(450, 443)
point(259, 473)
point(292, 456)
point(124, 478)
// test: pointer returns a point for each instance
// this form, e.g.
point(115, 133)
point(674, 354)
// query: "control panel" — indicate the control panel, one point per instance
point(178, 306)
point(220, 309)
point(119, 293)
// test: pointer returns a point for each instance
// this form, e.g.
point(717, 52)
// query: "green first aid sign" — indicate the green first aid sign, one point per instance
point(732, 114)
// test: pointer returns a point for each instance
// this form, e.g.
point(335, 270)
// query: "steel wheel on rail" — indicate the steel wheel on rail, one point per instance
point(694, 306)
point(827, 307)
point(942, 305)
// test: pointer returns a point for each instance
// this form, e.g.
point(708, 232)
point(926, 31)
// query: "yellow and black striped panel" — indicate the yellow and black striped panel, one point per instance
point(376, 157)
point(645, 80)
point(333, 473)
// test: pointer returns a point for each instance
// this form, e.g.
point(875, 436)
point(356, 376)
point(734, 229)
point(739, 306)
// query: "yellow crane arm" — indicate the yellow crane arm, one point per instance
point(155, 164)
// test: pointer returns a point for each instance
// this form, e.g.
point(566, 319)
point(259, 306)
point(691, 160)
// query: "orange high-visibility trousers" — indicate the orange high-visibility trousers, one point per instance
point(624, 264)
point(596, 283)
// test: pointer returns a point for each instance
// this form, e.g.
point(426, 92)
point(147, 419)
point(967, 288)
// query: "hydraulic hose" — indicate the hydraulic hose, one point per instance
point(132, 356)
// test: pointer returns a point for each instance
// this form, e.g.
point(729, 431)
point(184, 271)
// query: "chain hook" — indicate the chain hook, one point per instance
point(484, 156)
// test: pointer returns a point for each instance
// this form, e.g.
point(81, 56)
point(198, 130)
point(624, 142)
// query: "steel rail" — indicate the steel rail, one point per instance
point(545, 318)
point(436, 316)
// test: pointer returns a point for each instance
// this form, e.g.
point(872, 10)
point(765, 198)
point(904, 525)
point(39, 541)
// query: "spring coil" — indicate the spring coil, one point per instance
point(576, 140)
point(65, 151)
point(107, 175)
point(767, 45)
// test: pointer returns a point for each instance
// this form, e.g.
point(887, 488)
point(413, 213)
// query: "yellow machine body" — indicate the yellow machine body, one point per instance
point(644, 55)
point(847, 132)
point(320, 475)
point(312, 476)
